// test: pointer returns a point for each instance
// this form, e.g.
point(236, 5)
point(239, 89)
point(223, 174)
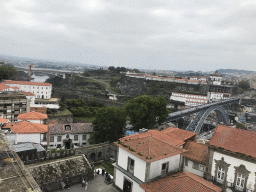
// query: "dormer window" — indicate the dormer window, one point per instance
point(67, 128)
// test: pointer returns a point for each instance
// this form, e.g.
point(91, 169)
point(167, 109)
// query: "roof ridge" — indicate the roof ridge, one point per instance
point(199, 181)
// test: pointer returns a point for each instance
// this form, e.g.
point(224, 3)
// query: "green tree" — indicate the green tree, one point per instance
point(109, 124)
point(7, 72)
point(145, 112)
point(244, 85)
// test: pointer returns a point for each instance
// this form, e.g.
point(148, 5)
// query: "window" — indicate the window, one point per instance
point(186, 162)
point(240, 180)
point(195, 165)
point(42, 87)
point(130, 166)
point(37, 87)
point(201, 168)
point(67, 128)
point(51, 138)
point(76, 137)
point(84, 137)
point(164, 168)
point(59, 146)
point(220, 174)
point(46, 87)
point(59, 138)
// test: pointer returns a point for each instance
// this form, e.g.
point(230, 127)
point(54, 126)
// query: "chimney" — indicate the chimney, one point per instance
point(143, 130)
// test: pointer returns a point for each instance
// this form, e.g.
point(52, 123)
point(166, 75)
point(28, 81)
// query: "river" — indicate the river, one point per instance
point(39, 78)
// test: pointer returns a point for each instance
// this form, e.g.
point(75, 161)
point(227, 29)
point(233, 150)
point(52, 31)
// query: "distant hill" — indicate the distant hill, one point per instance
point(236, 71)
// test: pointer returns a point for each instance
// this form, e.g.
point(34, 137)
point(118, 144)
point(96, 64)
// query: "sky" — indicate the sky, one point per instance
point(198, 35)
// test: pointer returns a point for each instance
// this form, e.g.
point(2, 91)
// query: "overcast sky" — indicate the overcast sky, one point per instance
point(199, 35)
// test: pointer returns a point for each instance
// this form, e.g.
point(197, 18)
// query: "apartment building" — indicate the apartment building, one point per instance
point(41, 90)
point(12, 104)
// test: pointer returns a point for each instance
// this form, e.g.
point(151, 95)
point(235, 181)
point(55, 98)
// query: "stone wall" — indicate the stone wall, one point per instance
point(49, 175)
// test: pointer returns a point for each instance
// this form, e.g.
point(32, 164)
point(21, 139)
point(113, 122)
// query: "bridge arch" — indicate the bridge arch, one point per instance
point(197, 124)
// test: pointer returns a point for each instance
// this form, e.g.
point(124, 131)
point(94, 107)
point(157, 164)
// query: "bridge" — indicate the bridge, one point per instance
point(221, 108)
point(57, 72)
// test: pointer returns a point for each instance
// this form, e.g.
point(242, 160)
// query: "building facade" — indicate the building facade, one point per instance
point(70, 135)
point(12, 104)
point(41, 90)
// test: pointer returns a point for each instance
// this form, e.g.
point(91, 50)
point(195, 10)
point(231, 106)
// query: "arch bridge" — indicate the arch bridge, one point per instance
point(221, 109)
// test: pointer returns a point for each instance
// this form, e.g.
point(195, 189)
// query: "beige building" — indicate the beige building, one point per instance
point(12, 104)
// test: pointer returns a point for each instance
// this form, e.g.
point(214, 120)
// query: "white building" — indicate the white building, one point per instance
point(232, 158)
point(41, 90)
point(25, 131)
point(33, 117)
point(189, 99)
point(143, 157)
point(215, 96)
point(195, 159)
point(30, 96)
point(216, 78)
point(70, 135)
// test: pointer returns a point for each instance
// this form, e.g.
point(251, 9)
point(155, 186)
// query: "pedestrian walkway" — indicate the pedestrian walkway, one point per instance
point(95, 185)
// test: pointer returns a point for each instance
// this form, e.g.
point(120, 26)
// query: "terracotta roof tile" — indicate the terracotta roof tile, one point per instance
point(59, 129)
point(26, 83)
point(32, 116)
point(180, 182)
point(2, 120)
point(196, 151)
point(235, 140)
point(3, 87)
point(25, 127)
point(15, 88)
point(159, 135)
point(149, 147)
point(179, 133)
point(28, 93)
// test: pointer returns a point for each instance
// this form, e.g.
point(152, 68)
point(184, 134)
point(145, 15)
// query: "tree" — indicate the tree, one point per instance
point(111, 68)
point(244, 85)
point(145, 112)
point(7, 72)
point(109, 124)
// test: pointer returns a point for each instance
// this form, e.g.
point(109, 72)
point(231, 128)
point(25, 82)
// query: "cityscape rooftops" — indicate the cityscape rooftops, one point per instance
point(25, 127)
point(179, 133)
point(32, 116)
point(28, 93)
point(235, 140)
point(148, 147)
point(26, 83)
point(61, 129)
point(3, 87)
point(196, 152)
point(180, 182)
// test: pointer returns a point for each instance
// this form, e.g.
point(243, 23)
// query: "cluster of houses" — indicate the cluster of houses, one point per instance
point(171, 160)
point(31, 131)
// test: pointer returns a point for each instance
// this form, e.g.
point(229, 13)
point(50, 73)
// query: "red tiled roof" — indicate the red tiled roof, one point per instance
point(235, 140)
point(3, 87)
point(2, 120)
point(159, 135)
point(26, 83)
point(59, 129)
point(32, 116)
point(39, 109)
point(25, 127)
point(15, 88)
point(196, 151)
point(28, 93)
point(180, 182)
point(179, 133)
point(148, 147)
